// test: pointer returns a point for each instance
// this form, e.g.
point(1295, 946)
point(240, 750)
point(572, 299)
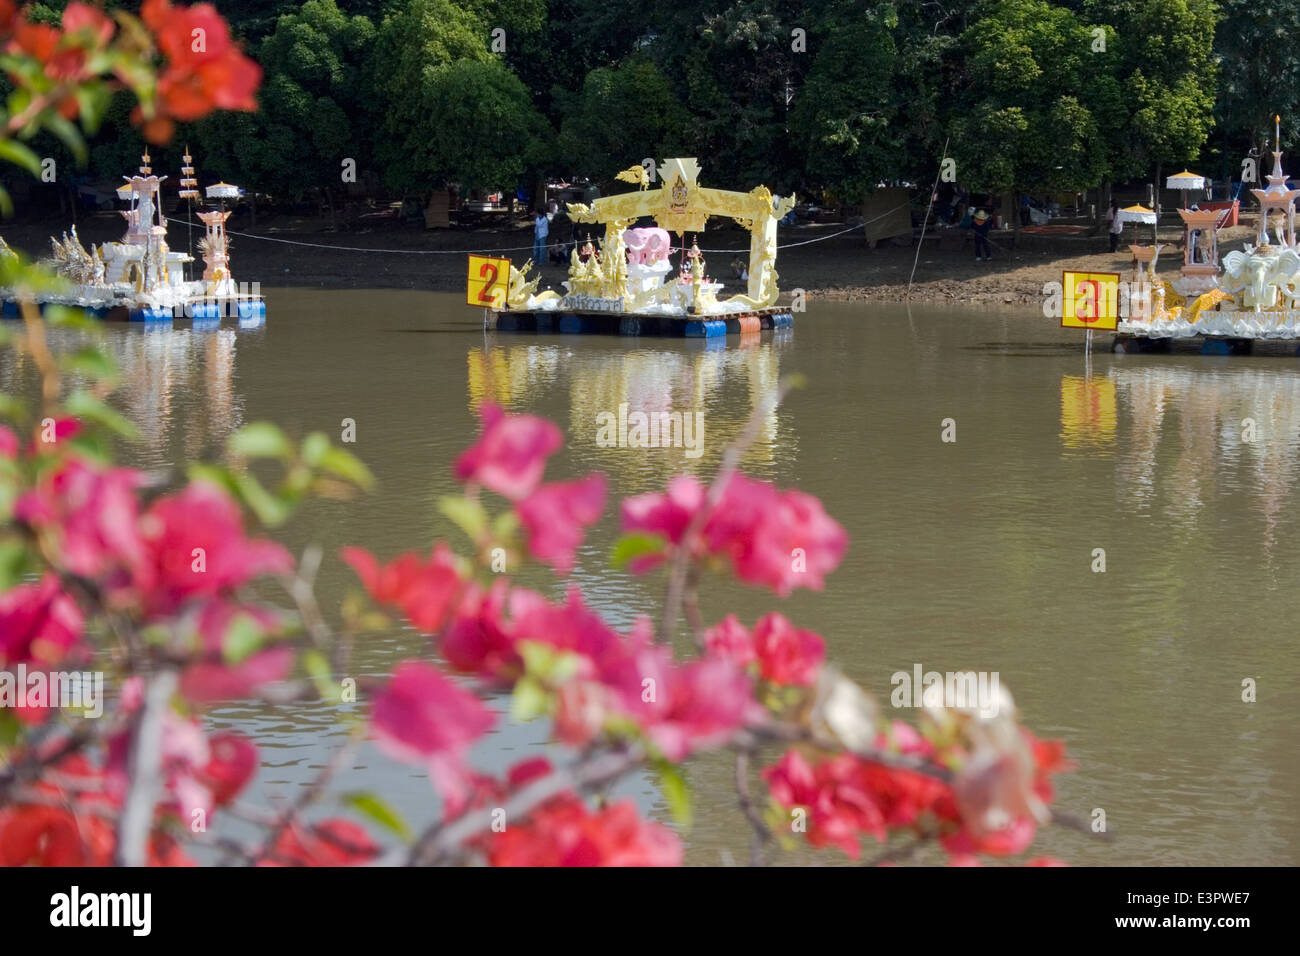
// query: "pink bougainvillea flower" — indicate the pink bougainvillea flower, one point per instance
point(92, 514)
point(85, 20)
point(779, 540)
point(510, 454)
point(730, 640)
point(566, 833)
point(480, 637)
point(197, 549)
point(787, 654)
point(184, 755)
point(214, 675)
point(556, 515)
point(423, 591)
point(692, 705)
point(422, 717)
point(8, 443)
point(39, 623)
point(333, 841)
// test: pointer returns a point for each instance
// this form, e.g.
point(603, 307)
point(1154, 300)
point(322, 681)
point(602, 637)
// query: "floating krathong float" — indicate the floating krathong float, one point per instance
point(141, 278)
point(628, 285)
point(1252, 294)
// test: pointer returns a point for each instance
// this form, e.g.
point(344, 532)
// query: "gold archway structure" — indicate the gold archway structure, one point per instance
point(682, 205)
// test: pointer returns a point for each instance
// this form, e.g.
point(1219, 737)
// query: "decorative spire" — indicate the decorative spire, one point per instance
point(145, 168)
point(189, 185)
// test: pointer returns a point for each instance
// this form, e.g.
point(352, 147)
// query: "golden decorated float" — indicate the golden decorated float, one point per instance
point(628, 283)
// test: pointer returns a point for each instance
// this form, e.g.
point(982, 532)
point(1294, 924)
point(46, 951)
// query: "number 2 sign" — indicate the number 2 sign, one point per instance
point(489, 278)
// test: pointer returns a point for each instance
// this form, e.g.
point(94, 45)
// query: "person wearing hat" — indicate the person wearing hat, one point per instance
point(980, 226)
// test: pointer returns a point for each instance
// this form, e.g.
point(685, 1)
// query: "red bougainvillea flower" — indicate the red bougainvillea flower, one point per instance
point(232, 763)
point(39, 623)
point(423, 591)
point(93, 515)
point(8, 10)
point(834, 794)
point(510, 454)
point(1010, 840)
point(84, 21)
point(197, 549)
point(205, 70)
point(556, 515)
point(787, 654)
point(330, 842)
point(666, 514)
point(422, 717)
point(54, 836)
point(36, 40)
point(566, 833)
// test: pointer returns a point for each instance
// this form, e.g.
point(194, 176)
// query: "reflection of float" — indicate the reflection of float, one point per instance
point(141, 278)
point(1243, 419)
point(628, 286)
point(725, 385)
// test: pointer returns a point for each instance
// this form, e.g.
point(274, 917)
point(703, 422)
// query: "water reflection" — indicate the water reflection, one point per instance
point(1233, 430)
point(175, 385)
point(718, 387)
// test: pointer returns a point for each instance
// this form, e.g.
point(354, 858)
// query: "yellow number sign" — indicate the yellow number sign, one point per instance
point(1090, 300)
point(489, 278)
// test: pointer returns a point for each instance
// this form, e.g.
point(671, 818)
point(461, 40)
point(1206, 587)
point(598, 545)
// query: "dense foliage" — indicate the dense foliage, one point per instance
point(825, 97)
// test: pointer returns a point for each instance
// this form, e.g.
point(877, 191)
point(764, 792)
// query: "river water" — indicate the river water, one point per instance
point(977, 553)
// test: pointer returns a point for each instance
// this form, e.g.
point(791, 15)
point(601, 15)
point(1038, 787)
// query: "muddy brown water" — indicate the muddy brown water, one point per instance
point(971, 554)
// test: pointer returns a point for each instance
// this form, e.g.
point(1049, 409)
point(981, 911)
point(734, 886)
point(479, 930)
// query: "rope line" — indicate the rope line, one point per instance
point(463, 252)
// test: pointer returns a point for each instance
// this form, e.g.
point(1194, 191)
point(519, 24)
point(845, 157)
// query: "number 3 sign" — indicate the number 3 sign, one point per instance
point(1091, 300)
point(489, 279)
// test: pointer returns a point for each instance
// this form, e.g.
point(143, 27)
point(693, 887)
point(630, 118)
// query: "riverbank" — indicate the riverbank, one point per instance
point(301, 253)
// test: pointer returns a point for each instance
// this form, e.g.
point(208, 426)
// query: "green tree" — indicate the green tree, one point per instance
point(622, 115)
point(1022, 118)
point(1167, 70)
point(439, 126)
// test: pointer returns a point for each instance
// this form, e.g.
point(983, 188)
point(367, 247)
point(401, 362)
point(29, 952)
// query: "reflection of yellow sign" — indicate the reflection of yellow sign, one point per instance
point(489, 279)
point(1090, 301)
point(1087, 411)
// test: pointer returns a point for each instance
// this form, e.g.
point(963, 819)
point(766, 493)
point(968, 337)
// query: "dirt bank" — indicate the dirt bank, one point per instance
point(301, 252)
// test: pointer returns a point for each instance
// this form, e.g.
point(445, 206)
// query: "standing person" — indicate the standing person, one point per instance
point(980, 226)
point(1116, 227)
point(541, 229)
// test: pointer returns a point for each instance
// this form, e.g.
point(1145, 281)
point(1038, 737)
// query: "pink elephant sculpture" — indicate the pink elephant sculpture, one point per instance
point(647, 246)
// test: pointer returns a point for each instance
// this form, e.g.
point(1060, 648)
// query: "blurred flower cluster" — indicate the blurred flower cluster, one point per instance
point(160, 581)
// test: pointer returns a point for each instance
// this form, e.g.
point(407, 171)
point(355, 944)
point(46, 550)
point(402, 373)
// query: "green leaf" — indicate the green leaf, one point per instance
point(90, 361)
point(84, 405)
point(13, 560)
point(67, 317)
point(547, 662)
point(314, 447)
point(20, 155)
point(635, 544)
point(322, 675)
point(374, 807)
point(242, 639)
point(529, 700)
point(676, 791)
point(347, 466)
point(259, 440)
point(270, 510)
point(467, 513)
